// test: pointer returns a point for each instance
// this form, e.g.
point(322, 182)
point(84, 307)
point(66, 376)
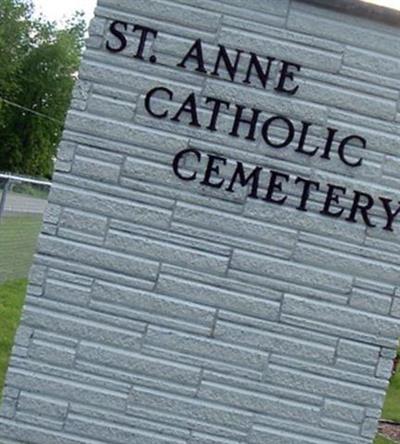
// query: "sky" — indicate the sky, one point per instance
point(60, 9)
point(57, 10)
point(395, 4)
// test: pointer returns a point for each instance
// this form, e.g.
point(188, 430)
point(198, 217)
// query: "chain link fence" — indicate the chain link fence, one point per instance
point(22, 203)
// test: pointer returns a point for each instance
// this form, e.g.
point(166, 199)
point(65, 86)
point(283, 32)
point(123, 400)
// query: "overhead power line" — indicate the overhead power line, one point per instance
point(31, 111)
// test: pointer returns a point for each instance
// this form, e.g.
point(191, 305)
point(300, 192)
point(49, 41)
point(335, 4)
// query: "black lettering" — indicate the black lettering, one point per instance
point(239, 119)
point(195, 53)
point(178, 158)
point(230, 66)
point(266, 136)
point(363, 208)
point(253, 177)
point(343, 146)
point(189, 106)
point(263, 75)
point(211, 168)
point(274, 185)
point(216, 110)
point(302, 141)
point(119, 35)
point(333, 197)
point(285, 75)
point(390, 214)
point(149, 96)
point(145, 31)
point(307, 185)
point(328, 144)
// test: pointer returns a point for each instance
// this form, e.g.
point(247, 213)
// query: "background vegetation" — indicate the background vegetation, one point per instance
point(38, 64)
point(11, 300)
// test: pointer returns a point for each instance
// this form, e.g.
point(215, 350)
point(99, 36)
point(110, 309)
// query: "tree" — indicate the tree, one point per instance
point(37, 87)
point(14, 43)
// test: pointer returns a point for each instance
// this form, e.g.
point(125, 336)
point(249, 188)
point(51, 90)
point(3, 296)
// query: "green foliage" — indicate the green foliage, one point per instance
point(11, 300)
point(382, 440)
point(391, 408)
point(14, 42)
point(39, 62)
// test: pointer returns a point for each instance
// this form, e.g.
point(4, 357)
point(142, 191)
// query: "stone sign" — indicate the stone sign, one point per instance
point(219, 261)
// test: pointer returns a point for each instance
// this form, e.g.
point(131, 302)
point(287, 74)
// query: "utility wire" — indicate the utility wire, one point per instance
point(28, 110)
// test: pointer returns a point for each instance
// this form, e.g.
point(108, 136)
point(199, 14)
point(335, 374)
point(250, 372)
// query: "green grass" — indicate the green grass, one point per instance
point(382, 440)
point(18, 238)
point(37, 191)
point(12, 296)
point(391, 409)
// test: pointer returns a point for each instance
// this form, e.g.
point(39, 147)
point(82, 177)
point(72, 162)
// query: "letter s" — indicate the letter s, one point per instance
point(120, 36)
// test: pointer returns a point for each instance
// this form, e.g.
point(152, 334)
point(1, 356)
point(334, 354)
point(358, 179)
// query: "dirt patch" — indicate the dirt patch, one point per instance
point(390, 430)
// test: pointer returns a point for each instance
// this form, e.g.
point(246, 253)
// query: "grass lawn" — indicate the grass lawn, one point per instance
point(18, 238)
point(27, 189)
point(382, 440)
point(391, 409)
point(12, 296)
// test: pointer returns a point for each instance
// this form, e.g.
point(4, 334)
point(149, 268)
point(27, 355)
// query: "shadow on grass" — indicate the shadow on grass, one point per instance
point(18, 239)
